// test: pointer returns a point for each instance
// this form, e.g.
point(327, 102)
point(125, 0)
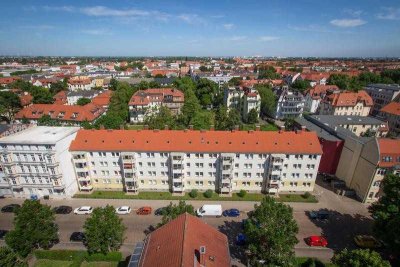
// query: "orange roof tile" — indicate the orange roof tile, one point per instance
point(177, 244)
point(26, 99)
point(78, 113)
point(389, 148)
point(349, 99)
point(392, 108)
point(8, 80)
point(144, 97)
point(197, 141)
point(102, 99)
point(320, 90)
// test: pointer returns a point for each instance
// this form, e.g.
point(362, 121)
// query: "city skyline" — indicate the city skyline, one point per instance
point(227, 28)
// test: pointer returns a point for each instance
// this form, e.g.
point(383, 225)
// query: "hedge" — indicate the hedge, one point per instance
point(77, 255)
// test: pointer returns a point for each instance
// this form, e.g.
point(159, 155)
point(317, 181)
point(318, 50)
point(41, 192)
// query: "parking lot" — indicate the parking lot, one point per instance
point(347, 218)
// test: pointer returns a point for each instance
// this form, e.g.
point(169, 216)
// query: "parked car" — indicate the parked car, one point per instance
point(62, 210)
point(77, 237)
point(144, 211)
point(316, 241)
point(318, 215)
point(123, 210)
point(11, 208)
point(160, 211)
point(367, 241)
point(3, 233)
point(241, 239)
point(83, 210)
point(231, 213)
point(209, 210)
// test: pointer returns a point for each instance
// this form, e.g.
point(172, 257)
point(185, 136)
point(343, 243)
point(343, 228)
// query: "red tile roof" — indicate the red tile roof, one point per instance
point(8, 80)
point(60, 97)
point(26, 99)
point(78, 113)
point(314, 76)
point(102, 99)
point(177, 244)
point(350, 99)
point(389, 148)
point(320, 90)
point(144, 97)
point(197, 141)
point(392, 108)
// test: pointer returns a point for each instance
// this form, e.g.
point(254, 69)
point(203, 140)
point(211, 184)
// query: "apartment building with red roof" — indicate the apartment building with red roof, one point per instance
point(347, 103)
point(182, 160)
point(314, 95)
point(66, 114)
point(5, 81)
point(391, 113)
point(144, 102)
point(364, 163)
point(185, 241)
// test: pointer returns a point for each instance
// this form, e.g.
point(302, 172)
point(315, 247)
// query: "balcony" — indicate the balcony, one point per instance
point(272, 190)
point(59, 186)
point(86, 187)
point(177, 167)
point(129, 165)
point(276, 172)
point(84, 179)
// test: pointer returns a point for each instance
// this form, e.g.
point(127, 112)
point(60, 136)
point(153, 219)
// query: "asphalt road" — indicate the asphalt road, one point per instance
point(348, 218)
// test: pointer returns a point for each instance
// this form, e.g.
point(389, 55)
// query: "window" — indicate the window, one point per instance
point(377, 183)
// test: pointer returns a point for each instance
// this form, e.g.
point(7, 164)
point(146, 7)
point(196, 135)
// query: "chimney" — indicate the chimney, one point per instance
point(202, 256)
point(166, 127)
point(146, 127)
point(258, 128)
point(102, 127)
point(212, 128)
point(191, 127)
point(303, 128)
point(121, 127)
point(281, 129)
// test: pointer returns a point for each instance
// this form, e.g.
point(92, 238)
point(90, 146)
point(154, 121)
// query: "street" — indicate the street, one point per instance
point(348, 217)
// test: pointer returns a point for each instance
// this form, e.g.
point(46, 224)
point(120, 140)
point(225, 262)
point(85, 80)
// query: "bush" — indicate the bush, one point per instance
point(242, 193)
point(310, 262)
point(111, 256)
point(193, 193)
point(208, 193)
point(306, 195)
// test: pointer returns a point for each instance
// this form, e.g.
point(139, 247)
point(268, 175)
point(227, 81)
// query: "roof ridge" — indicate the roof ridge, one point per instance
point(183, 238)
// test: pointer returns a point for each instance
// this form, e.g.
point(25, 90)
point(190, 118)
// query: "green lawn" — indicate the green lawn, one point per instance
point(102, 264)
point(52, 263)
point(169, 196)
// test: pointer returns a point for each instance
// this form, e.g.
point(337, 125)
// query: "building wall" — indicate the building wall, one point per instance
point(330, 156)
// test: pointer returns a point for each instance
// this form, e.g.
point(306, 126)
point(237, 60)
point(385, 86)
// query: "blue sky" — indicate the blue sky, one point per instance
point(329, 28)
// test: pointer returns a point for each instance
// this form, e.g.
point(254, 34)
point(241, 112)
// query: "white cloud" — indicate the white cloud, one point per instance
point(96, 32)
point(191, 18)
point(269, 38)
point(389, 13)
point(346, 23)
point(102, 11)
point(308, 28)
point(60, 8)
point(228, 26)
point(238, 38)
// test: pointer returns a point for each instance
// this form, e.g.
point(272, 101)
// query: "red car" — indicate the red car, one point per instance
point(316, 241)
point(144, 211)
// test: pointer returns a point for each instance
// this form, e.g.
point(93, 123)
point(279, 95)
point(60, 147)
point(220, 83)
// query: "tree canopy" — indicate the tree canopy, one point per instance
point(267, 72)
point(104, 230)
point(34, 227)
point(83, 101)
point(268, 100)
point(8, 258)
point(271, 233)
point(158, 118)
point(301, 85)
point(359, 258)
point(386, 212)
point(172, 211)
point(9, 104)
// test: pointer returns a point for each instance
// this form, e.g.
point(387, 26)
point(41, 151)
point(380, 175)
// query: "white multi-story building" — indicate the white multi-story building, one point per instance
point(290, 104)
point(346, 103)
point(36, 162)
point(242, 99)
point(179, 161)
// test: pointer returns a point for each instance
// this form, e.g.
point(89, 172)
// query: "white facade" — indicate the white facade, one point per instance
point(181, 172)
point(311, 105)
point(36, 162)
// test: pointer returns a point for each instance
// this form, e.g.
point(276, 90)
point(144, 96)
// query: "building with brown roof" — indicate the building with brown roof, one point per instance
point(364, 163)
point(347, 103)
point(391, 113)
point(179, 161)
point(5, 81)
point(66, 114)
point(314, 95)
point(185, 241)
point(144, 102)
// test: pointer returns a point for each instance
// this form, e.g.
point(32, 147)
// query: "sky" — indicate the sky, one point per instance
point(281, 28)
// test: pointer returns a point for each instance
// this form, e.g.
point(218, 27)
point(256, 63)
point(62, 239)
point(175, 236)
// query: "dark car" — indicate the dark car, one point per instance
point(318, 215)
point(3, 233)
point(62, 210)
point(77, 237)
point(10, 208)
point(159, 211)
point(231, 213)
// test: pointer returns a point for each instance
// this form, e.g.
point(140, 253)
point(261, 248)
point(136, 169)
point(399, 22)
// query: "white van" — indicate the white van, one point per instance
point(209, 210)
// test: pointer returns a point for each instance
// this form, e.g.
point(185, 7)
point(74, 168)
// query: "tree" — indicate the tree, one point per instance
point(359, 258)
point(301, 85)
point(235, 81)
point(206, 91)
point(386, 212)
point(104, 230)
point(41, 95)
point(9, 104)
point(227, 120)
point(8, 258)
point(271, 232)
point(268, 100)
point(83, 101)
point(202, 120)
point(203, 68)
point(159, 117)
point(58, 87)
point(111, 120)
point(391, 76)
point(113, 84)
point(34, 227)
point(267, 72)
point(46, 120)
point(252, 116)
point(173, 210)
point(340, 80)
point(289, 124)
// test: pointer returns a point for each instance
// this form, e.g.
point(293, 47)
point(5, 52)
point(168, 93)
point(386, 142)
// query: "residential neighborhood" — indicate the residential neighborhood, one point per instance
point(177, 134)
